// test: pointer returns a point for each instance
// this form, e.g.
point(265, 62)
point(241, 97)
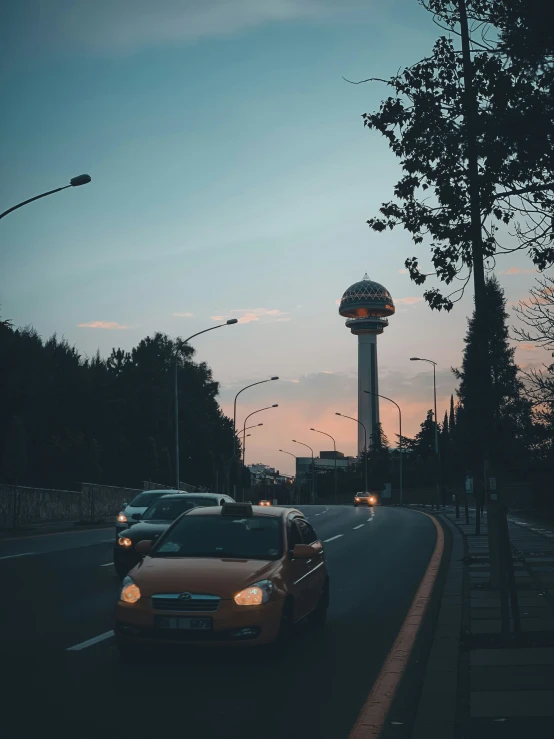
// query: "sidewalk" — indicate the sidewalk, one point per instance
point(511, 685)
point(54, 527)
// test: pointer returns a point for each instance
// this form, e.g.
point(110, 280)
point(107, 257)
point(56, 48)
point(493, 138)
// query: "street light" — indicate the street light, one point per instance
point(261, 382)
point(399, 436)
point(295, 457)
point(253, 427)
point(82, 179)
point(230, 322)
point(313, 467)
point(430, 361)
point(335, 448)
point(365, 444)
point(275, 405)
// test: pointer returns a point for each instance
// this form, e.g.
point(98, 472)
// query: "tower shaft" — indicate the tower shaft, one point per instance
point(368, 405)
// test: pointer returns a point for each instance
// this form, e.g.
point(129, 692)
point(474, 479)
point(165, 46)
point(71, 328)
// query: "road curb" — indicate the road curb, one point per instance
point(436, 716)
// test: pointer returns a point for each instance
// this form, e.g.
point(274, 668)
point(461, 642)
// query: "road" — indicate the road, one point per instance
point(61, 593)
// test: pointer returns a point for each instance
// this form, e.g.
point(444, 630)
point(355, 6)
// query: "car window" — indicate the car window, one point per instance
point(143, 500)
point(255, 537)
point(306, 531)
point(167, 509)
point(294, 535)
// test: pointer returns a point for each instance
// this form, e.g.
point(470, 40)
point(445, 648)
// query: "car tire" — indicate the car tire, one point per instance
point(317, 618)
point(275, 649)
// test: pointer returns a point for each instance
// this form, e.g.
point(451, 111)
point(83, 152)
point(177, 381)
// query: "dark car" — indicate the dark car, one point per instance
point(154, 521)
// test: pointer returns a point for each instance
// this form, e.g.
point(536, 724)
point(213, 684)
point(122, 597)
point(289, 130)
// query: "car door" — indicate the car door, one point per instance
point(297, 571)
point(314, 580)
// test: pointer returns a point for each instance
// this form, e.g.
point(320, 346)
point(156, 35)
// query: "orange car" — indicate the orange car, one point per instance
point(235, 575)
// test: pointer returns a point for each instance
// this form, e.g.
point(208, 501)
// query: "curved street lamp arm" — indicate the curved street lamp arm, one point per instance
point(37, 197)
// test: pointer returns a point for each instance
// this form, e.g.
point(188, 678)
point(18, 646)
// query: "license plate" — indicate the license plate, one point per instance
point(187, 624)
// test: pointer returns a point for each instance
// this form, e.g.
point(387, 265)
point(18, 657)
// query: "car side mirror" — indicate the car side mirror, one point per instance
point(136, 516)
point(144, 546)
point(303, 551)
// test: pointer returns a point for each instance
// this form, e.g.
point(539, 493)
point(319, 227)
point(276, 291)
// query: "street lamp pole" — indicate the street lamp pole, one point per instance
point(230, 322)
point(400, 434)
point(365, 444)
point(275, 405)
point(313, 467)
point(295, 457)
point(335, 448)
point(82, 179)
point(235, 460)
point(437, 461)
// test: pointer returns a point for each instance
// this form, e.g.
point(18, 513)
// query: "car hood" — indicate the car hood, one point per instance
point(146, 530)
point(210, 576)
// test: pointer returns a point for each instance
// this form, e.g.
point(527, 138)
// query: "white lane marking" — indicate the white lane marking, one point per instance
point(90, 642)
point(318, 514)
point(12, 556)
point(370, 519)
point(358, 527)
point(338, 536)
point(108, 564)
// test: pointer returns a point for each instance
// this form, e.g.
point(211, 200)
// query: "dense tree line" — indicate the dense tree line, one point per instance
point(67, 419)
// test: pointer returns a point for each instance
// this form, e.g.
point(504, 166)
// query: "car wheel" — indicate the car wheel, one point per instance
point(316, 619)
point(285, 630)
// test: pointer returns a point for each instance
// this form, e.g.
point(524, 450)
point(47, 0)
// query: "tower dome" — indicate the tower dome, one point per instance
point(366, 304)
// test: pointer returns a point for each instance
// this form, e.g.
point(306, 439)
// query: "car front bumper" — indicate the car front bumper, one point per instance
point(135, 625)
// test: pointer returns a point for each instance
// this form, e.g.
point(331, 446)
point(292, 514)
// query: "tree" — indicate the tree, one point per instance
point(511, 411)
point(92, 420)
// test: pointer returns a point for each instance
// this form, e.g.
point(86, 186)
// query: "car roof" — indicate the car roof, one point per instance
point(273, 511)
point(195, 495)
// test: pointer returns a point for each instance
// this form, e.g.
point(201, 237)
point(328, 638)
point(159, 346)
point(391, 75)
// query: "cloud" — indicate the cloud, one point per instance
point(184, 315)
point(111, 325)
point(127, 26)
point(247, 315)
point(407, 301)
point(518, 271)
point(402, 271)
point(528, 347)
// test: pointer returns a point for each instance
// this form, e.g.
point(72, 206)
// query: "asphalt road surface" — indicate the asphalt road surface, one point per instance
point(59, 592)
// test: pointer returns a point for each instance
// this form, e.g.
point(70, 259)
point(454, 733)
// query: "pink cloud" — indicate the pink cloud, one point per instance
point(111, 325)
point(247, 315)
point(408, 301)
point(184, 315)
point(518, 271)
point(528, 347)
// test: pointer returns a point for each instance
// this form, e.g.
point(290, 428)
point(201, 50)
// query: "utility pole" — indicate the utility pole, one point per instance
point(484, 397)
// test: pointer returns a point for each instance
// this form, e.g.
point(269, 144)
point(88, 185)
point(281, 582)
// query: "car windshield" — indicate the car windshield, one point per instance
point(145, 499)
point(255, 537)
point(166, 509)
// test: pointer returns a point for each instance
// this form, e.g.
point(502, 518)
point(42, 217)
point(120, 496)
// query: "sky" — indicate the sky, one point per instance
point(232, 177)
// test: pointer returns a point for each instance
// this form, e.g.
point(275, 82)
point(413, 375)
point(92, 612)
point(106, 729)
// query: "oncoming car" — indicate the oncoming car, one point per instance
point(265, 502)
point(365, 499)
point(239, 575)
point(133, 511)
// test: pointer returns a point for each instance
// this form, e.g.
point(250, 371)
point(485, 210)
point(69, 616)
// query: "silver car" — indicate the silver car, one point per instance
point(132, 512)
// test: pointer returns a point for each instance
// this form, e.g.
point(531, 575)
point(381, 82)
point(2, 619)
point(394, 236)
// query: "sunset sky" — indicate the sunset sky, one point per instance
point(231, 177)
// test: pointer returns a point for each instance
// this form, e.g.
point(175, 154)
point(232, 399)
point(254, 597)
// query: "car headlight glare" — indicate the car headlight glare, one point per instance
point(255, 595)
point(130, 592)
point(122, 518)
point(124, 541)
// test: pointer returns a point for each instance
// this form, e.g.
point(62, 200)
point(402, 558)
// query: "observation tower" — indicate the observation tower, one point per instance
point(366, 306)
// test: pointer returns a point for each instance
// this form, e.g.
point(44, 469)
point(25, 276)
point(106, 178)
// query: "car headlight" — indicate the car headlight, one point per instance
point(130, 592)
point(255, 595)
point(124, 541)
point(122, 518)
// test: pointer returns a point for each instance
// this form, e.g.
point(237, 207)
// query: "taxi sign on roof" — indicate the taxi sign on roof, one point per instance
point(236, 509)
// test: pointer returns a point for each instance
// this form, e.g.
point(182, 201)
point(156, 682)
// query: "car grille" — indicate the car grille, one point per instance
point(196, 603)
